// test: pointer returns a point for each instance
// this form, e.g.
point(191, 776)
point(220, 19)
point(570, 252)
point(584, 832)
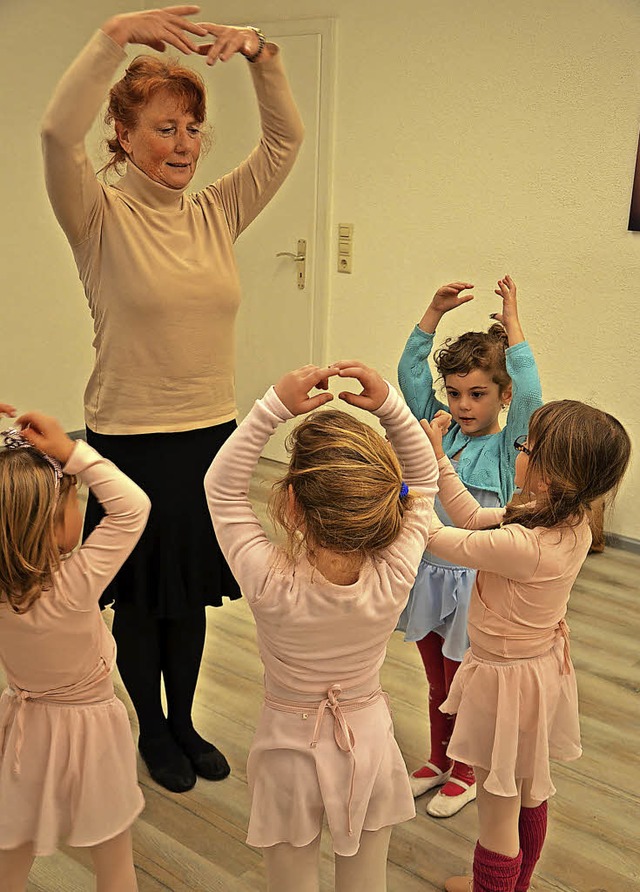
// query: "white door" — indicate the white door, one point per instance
point(279, 326)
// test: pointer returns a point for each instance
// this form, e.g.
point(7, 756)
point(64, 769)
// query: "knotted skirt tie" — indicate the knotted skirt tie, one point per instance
point(69, 695)
point(342, 732)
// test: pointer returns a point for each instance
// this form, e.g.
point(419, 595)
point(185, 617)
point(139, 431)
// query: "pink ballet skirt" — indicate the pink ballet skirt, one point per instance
point(67, 770)
point(513, 717)
point(338, 760)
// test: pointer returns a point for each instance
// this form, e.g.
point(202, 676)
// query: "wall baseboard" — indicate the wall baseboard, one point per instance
point(625, 543)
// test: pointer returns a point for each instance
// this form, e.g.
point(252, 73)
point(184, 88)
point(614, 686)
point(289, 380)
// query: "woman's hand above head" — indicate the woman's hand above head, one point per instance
point(8, 410)
point(230, 40)
point(446, 298)
point(374, 388)
point(436, 429)
point(293, 388)
point(47, 435)
point(509, 316)
point(156, 28)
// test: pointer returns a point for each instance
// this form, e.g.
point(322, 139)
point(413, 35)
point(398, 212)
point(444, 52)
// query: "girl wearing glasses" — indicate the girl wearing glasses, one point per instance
point(483, 373)
point(515, 696)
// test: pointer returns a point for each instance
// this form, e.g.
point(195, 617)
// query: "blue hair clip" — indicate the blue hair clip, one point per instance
point(404, 490)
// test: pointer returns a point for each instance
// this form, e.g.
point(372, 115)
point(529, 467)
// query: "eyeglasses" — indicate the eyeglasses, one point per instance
point(520, 444)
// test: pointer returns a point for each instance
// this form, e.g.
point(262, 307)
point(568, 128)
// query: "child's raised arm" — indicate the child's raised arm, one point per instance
point(446, 298)
point(239, 532)
point(510, 551)
point(463, 509)
point(89, 570)
point(414, 374)
point(47, 435)
point(526, 392)
point(509, 317)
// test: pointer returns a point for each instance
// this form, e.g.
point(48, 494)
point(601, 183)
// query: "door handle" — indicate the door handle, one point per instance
point(300, 258)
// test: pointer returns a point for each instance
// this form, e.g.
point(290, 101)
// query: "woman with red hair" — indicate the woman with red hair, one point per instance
point(159, 273)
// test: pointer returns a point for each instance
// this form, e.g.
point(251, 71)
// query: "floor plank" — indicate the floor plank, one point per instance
point(195, 841)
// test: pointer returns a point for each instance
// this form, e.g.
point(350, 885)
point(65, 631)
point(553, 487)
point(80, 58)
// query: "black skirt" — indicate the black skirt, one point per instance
point(177, 566)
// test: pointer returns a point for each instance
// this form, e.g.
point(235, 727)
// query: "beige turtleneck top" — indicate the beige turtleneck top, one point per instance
point(157, 264)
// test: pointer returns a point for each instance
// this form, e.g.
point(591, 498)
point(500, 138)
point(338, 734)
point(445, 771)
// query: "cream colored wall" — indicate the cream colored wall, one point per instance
point(474, 139)
point(45, 327)
point(470, 140)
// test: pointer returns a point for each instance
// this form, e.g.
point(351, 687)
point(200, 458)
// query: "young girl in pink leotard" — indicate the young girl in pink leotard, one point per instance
point(67, 759)
point(357, 523)
point(515, 696)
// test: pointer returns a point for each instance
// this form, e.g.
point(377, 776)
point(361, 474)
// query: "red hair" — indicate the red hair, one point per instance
point(144, 78)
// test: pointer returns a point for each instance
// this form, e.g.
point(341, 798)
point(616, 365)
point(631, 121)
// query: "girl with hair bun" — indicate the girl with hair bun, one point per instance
point(483, 373)
point(325, 606)
point(515, 696)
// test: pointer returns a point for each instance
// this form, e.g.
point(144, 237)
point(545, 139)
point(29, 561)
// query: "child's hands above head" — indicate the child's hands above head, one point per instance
point(436, 430)
point(446, 298)
point(47, 435)
point(374, 388)
point(509, 317)
point(6, 409)
point(293, 388)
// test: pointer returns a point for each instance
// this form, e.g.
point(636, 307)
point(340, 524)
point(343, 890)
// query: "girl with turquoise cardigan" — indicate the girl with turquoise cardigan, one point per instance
point(482, 373)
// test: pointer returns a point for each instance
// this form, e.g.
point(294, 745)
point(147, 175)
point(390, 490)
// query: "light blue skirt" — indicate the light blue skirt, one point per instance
point(439, 602)
point(439, 599)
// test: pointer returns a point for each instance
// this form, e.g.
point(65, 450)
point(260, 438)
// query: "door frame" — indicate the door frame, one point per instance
point(326, 28)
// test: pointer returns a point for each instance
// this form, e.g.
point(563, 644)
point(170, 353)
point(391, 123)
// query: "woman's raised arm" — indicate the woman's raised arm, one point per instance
point(72, 187)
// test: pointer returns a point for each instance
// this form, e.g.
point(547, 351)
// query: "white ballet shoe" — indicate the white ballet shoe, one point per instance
point(459, 884)
point(420, 785)
point(442, 806)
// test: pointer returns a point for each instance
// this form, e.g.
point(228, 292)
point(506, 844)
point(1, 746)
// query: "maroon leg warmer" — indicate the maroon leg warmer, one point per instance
point(493, 872)
point(532, 828)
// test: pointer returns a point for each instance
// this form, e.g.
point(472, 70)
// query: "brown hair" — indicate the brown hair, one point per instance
point(476, 350)
point(29, 514)
point(346, 481)
point(146, 76)
point(581, 454)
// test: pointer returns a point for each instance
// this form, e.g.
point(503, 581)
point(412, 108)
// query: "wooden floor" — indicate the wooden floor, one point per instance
point(195, 841)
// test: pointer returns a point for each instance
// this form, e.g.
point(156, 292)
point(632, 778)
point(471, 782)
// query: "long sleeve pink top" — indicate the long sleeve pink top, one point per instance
point(157, 264)
point(524, 578)
point(312, 633)
point(61, 647)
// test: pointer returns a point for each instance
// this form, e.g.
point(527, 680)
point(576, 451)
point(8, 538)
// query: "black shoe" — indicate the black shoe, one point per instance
point(167, 764)
point(211, 764)
point(205, 758)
